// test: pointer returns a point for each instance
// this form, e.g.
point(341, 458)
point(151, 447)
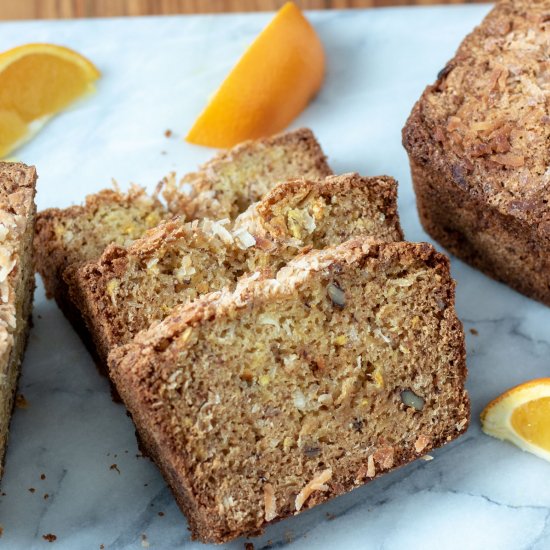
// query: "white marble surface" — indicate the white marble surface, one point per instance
point(478, 493)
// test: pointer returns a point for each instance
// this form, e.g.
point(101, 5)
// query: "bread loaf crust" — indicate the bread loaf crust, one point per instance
point(478, 147)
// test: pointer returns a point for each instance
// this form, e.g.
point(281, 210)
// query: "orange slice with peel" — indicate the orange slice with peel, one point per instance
point(272, 83)
point(36, 82)
point(522, 416)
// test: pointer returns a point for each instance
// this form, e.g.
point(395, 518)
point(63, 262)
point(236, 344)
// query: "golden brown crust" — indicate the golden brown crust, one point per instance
point(154, 356)
point(478, 144)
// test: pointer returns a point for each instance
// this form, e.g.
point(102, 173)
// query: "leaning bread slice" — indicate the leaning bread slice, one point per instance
point(263, 402)
point(326, 212)
point(234, 179)
point(129, 288)
point(17, 214)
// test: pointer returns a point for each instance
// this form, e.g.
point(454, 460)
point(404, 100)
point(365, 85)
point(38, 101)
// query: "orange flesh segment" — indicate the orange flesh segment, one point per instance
point(272, 83)
point(36, 82)
point(61, 80)
point(532, 422)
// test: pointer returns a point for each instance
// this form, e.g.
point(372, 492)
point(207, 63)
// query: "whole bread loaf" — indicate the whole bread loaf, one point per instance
point(260, 403)
point(479, 147)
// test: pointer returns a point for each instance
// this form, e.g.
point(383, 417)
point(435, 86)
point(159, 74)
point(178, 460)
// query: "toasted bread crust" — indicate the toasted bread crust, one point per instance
point(367, 204)
point(478, 146)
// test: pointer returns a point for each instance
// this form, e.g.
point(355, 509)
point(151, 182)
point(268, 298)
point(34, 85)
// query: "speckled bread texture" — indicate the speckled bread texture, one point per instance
point(263, 402)
point(17, 215)
point(225, 185)
point(229, 183)
point(77, 234)
point(479, 147)
point(129, 288)
point(327, 211)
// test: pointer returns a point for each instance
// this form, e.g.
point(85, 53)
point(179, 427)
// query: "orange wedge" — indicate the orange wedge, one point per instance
point(272, 83)
point(36, 82)
point(522, 416)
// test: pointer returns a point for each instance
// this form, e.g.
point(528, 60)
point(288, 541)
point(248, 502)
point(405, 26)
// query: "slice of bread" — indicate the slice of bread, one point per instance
point(326, 212)
point(81, 233)
point(17, 216)
point(233, 180)
point(263, 402)
point(129, 288)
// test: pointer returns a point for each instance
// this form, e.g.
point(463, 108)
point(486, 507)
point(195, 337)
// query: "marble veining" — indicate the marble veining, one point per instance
point(477, 493)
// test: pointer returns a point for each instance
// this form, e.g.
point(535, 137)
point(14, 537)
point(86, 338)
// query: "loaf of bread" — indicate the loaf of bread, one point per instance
point(233, 180)
point(130, 287)
point(259, 403)
point(17, 216)
point(478, 142)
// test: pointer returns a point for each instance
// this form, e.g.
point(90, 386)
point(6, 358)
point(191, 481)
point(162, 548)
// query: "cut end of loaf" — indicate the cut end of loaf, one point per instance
point(263, 402)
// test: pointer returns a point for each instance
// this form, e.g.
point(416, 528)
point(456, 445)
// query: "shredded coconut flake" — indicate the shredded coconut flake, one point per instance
point(185, 270)
point(244, 239)
point(371, 470)
point(270, 503)
point(316, 484)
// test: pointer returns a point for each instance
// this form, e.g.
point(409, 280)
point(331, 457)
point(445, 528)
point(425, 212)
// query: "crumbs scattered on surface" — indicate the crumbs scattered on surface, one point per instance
point(114, 467)
point(144, 541)
point(101, 547)
point(46, 496)
point(248, 546)
point(168, 133)
point(42, 477)
point(474, 331)
point(1, 531)
point(161, 514)
point(330, 516)
point(49, 537)
point(32, 489)
point(21, 402)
